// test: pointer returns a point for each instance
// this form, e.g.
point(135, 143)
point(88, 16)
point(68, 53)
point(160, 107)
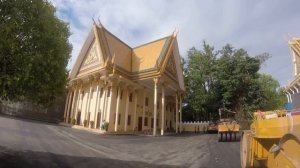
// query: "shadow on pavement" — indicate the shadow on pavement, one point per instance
point(30, 159)
point(31, 120)
point(185, 134)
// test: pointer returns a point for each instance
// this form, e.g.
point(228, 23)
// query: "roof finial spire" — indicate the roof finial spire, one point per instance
point(93, 20)
point(100, 24)
point(113, 63)
point(175, 32)
point(288, 37)
point(113, 59)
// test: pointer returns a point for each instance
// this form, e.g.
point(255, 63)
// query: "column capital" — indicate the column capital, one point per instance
point(113, 80)
point(73, 84)
point(91, 78)
point(122, 84)
point(156, 80)
point(131, 88)
point(97, 75)
point(76, 84)
point(136, 90)
point(79, 83)
point(100, 82)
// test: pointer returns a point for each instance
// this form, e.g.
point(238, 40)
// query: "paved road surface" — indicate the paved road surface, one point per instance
point(32, 144)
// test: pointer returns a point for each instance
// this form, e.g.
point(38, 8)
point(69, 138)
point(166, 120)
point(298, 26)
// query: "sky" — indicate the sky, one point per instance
point(257, 26)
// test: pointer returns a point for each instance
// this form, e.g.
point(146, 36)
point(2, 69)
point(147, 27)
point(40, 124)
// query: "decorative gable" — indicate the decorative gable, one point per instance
point(93, 59)
point(171, 67)
point(92, 56)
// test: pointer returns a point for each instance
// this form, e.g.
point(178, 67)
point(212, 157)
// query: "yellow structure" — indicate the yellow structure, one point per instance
point(292, 90)
point(128, 89)
point(273, 141)
point(228, 131)
point(228, 128)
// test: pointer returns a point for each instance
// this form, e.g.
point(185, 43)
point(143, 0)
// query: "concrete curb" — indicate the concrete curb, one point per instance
point(97, 131)
point(78, 127)
point(65, 125)
point(88, 129)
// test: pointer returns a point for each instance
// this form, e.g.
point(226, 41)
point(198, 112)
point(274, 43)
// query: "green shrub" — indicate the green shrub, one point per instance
point(104, 126)
point(73, 121)
point(92, 124)
point(85, 123)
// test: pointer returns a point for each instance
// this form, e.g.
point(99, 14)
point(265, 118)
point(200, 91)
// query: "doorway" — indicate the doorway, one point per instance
point(152, 122)
point(98, 120)
point(78, 118)
point(140, 123)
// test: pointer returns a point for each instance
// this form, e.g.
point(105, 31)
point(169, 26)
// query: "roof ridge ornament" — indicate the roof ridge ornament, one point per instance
point(113, 59)
point(175, 32)
point(94, 22)
point(100, 24)
point(113, 63)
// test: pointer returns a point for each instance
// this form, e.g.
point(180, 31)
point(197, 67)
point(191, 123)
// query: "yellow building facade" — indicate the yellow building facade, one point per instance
point(127, 89)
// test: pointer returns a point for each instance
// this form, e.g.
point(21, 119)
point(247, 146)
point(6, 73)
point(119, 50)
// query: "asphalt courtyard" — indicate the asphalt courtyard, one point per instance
point(25, 143)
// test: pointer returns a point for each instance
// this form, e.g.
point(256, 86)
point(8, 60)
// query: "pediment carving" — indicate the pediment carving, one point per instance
point(171, 67)
point(92, 56)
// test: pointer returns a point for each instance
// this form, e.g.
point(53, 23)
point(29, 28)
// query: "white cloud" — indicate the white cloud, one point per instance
point(257, 26)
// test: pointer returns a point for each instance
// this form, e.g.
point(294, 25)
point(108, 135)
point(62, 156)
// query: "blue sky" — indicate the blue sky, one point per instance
point(255, 25)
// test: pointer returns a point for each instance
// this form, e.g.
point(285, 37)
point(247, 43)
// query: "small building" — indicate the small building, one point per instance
point(128, 89)
point(292, 90)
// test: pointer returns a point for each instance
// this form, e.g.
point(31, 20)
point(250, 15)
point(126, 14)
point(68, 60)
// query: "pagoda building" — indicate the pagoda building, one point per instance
point(127, 89)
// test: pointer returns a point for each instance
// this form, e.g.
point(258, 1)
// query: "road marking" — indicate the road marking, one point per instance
point(73, 139)
point(113, 152)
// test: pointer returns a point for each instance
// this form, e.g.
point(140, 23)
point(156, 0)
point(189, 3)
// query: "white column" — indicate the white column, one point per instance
point(81, 104)
point(134, 109)
point(155, 106)
point(293, 92)
point(167, 115)
point(110, 105)
point(294, 63)
point(176, 113)
point(288, 97)
point(126, 110)
point(97, 104)
point(180, 109)
point(163, 122)
point(69, 104)
point(103, 110)
point(87, 103)
point(117, 109)
point(77, 102)
point(73, 108)
point(296, 89)
point(144, 108)
point(66, 107)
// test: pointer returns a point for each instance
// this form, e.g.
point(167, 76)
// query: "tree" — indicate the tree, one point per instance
point(200, 80)
point(272, 96)
point(34, 52)
point(228, 78)
point(237, 72)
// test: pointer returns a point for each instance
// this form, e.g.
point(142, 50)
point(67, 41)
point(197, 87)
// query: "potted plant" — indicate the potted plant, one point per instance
point(73, 122)
point(104, 126)
point(92, 124)
point(85, 123)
